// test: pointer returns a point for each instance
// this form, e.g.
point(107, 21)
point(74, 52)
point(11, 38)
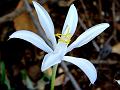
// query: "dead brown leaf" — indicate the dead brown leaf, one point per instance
point(116, 48)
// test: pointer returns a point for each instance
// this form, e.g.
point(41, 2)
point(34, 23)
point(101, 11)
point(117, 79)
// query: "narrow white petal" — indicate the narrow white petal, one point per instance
point(88, 35)
point(32, 38)
point(45, 22)
point(86, 66)
point(50, 60)
point(71, 20)
point(55, 57)
point(118, 81)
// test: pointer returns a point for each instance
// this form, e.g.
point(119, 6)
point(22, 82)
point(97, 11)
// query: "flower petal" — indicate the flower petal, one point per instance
point(49, 60)
point(86, 66)
point(88, 35)
point(54, 57)
point(45, 22)
point(118, 81)
point(71, 20)
point(32, 38)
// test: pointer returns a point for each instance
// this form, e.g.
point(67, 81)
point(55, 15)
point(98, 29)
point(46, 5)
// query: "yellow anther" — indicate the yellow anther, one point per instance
point(65, 38)
point(58, 35)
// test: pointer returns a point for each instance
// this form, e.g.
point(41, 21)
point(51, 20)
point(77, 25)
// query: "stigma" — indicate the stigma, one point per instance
point(65, 38)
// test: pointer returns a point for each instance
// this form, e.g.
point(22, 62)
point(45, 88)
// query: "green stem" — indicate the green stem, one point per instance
point(53, 76)
point(2, 71)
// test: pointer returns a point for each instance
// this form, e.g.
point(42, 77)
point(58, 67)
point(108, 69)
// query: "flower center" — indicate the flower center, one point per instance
point(65, 38)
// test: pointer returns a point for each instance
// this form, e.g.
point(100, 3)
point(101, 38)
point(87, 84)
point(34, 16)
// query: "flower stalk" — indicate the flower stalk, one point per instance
point(53, 76)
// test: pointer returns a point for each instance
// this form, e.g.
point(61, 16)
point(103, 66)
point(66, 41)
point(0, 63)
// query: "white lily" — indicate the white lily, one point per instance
point(61, 48)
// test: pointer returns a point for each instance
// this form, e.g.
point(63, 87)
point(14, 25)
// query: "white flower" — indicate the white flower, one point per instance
point(62, 47)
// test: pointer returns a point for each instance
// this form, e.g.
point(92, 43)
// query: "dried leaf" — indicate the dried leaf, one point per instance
point(41, 85)
point(116, 48)
point(59, 80)
point(23, 21)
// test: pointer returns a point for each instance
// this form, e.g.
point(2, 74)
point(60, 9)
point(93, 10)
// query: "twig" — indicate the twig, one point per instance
point(113, 12)
point(100, 9)
point(76, 86)
point(106, 49)
point(67, 72)
point(109, 62)
point(11, 16)
point(113, 16)
point(84, 8)
point(37, 25)
point(43, 1)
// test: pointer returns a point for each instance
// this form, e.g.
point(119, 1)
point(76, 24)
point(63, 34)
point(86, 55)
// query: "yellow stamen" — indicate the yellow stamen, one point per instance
point(65, 38)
